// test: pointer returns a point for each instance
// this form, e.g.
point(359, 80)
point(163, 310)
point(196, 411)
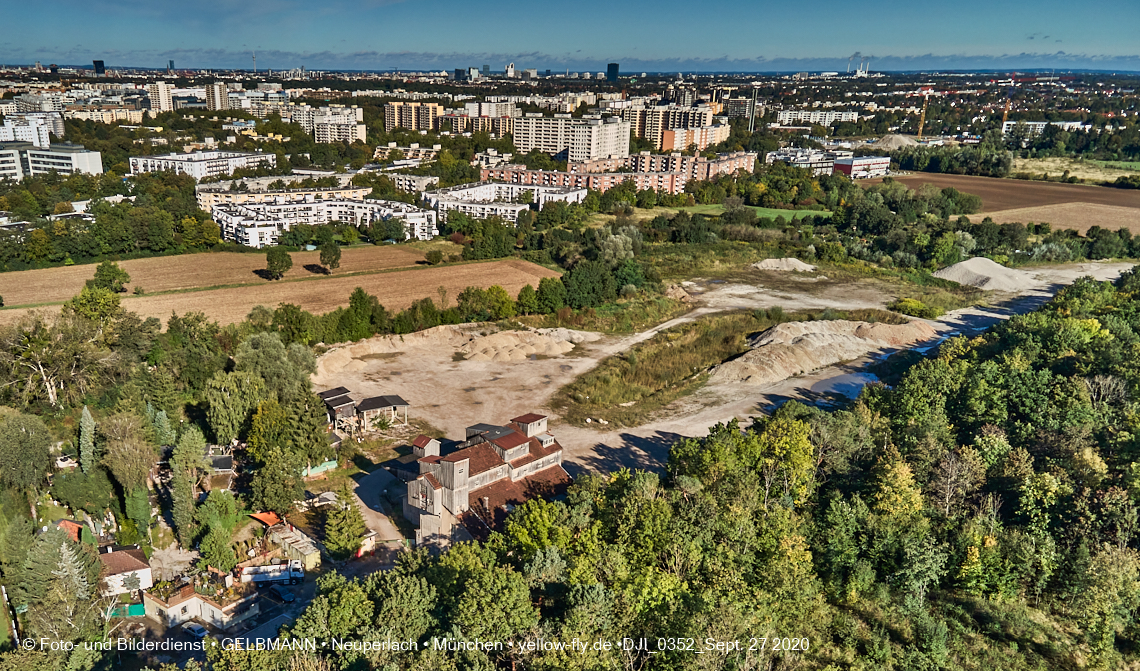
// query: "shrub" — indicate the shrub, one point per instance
point(434, 257)
point(914, 308)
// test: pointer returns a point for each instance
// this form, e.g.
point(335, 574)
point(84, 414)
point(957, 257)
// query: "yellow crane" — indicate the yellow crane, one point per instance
point(922, 117)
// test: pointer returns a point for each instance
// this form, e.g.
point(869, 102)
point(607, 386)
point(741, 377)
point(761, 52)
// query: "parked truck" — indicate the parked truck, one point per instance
point(289, 573)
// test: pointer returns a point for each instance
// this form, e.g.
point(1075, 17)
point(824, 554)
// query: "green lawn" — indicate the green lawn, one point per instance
point(771, 213)
point(1119, 165)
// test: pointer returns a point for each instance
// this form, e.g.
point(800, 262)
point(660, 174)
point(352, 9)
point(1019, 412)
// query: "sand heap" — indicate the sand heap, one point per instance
point(784, 264)
point(895, 142)
point(514, 346)
point(986, 274)
point(794, 348)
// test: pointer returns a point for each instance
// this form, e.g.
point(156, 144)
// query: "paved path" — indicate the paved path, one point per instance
point(369, 494)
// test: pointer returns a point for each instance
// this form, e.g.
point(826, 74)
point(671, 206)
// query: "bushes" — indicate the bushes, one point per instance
point(914, 308)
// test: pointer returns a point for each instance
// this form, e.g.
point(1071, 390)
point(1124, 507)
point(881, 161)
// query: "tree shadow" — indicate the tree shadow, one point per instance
point(264, 274)
point(316, 269)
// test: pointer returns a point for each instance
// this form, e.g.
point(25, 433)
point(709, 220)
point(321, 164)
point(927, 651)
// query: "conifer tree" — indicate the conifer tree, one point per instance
point(86, 441)
point(344, 526)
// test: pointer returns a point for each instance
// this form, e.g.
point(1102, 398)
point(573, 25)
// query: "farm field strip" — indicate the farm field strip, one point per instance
point(396, 291)
point(192, 271)
point(1078, 216)
point(999, 194)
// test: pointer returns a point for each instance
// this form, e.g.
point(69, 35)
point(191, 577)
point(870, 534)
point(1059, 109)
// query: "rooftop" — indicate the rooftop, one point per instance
point(124, 561)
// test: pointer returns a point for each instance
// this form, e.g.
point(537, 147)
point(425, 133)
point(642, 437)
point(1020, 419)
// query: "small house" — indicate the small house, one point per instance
point(119, 566)
point(388, 406)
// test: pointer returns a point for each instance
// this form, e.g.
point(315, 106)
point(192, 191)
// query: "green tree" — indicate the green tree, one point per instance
point(527, 302)
point(230, 401)
point(277, 483)
point(551, 295)
point(108, 275)
point(86, 441)
point(25, 452)
point(218, 551)
point(277, 262)
point(269, 430)
point(499, 303)
point(495, 605)
point(128, 454)
point(330, 255)
point(284, 370)
point(434, 257)
point(182, 506)
point(589, 284)
point(344, 526)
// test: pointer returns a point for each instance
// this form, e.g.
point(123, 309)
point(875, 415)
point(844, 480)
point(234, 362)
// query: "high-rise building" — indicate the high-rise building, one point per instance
point(160, 98)
point(585, 139)
point(486, 70)
point(650, 123)
point(100, 69)
point(170, 66)
point(612, 72)
point(217, 96)
point(412, 115)
point(510, 71)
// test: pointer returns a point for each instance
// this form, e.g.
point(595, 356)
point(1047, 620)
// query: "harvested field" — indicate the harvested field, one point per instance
point(1006, 194)
point(396, 290)
point(1079, 216)
point(192, 271)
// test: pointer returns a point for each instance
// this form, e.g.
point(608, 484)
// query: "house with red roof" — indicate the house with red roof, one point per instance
point(469, 490)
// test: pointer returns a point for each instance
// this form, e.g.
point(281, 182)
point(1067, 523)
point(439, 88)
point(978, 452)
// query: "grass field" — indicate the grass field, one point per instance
point(397, 289)
point(195, 271)
point(1094, 171)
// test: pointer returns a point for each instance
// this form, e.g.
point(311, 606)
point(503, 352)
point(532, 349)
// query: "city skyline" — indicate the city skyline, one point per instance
point(725, 37)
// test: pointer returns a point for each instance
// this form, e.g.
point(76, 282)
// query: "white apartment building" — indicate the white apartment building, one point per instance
point(161, 98)
point(490, 109)
point(495, 199)
point(32, 102)
point(1035, 128)
point(817, 117)
point(209, 195)
point(22, 159)
point(413, 183)
point(819, 162)
point(201, 164)
point(217, 96)
point(261, 224)
point(30, 130)
point(585, 139)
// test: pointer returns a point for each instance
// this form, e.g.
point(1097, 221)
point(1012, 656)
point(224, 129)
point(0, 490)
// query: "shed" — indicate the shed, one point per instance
point(379, 406)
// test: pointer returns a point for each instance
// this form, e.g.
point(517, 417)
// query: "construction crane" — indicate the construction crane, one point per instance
point(1008, 103)
point(922, 117)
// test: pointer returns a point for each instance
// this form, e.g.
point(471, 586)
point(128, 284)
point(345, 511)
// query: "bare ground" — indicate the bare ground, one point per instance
point(1006, 194)
point(1079, 216)
point(453, 394)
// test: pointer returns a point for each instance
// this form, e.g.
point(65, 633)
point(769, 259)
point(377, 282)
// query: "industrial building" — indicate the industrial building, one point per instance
point(862, 167)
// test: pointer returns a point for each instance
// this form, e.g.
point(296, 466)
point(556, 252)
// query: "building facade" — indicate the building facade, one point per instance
point(680, 139)
point(161, 98)
point(202, 164)
point(577, 139)
point(23, 159)
point(862, 167)
point(650, 123)
point(493, 468)
point(411, 115)
point(209, 195)
point(816, 117)
point(260, 224)
point(494, 199)
point(217, 96)
point(819, 162)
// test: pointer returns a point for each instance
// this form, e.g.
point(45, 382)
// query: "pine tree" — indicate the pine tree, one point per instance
point(163, 430)
point(160, 391)
point(344, 526)
point(86, 441)
point(70, 570)
point(182, 507)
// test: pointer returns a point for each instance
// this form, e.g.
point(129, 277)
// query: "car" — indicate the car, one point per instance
point(195, 630)
point(284, 594)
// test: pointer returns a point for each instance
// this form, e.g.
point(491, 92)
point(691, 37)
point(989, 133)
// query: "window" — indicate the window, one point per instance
point(185, 609)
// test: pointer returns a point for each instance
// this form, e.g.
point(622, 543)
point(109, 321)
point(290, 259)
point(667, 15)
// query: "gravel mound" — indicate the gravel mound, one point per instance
point(677, 293)
point(784, 264)
point(986, 274)
point(514, 346)
point(894, 142)
point(794, 348)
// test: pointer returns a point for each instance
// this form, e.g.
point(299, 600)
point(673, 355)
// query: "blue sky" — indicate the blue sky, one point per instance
point(666, 35)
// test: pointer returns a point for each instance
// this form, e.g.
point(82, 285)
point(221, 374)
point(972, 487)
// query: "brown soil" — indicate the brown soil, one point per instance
point(396, 290)
point(1081, 216)
point(1007, 194)
point(192, 271)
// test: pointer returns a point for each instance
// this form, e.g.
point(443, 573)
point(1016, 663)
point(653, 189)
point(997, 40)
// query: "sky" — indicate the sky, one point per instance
point(662, 36)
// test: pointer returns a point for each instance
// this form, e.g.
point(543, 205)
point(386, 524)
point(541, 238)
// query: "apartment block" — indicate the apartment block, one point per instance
point(816, 117)
point(680, 139)
point(202, 164)
point(161, 99)
point(411, 115)
point(517, 174)
point(113, 115)
point(260, 224)
point(413, 151)
point(209, 195)
point(584, 139)
point(217, 96)
point(650, 123)
point(819, 162)
point(694, 167)
point(23, 159)
point(492, 199)
point(33, 102)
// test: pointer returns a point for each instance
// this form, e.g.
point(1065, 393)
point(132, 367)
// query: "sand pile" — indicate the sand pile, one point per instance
point(986, 274)
point(784, 264)
point(791, 349)
point(894, 142)
point(515, 346)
